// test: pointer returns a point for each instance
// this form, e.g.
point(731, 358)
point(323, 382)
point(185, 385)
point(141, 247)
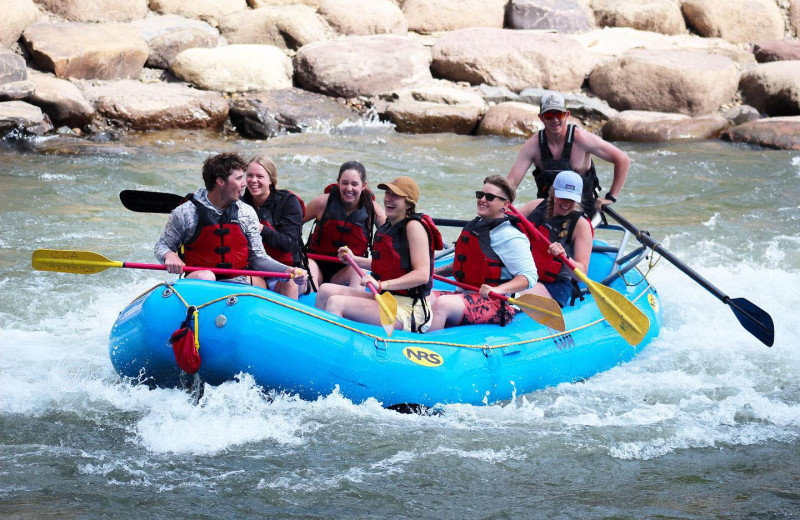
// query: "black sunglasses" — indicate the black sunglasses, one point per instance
point(489, 196)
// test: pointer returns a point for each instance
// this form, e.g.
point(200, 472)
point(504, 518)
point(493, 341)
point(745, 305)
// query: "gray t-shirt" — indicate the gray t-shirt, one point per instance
point(183, 221)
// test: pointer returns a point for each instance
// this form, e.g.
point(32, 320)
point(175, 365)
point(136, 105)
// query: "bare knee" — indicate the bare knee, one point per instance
point(202, 275)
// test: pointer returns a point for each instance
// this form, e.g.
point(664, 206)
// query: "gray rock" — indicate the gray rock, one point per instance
point(782, 133)
point(580, 106)
point(71, 145)
point(741, 114)
point(16, 90)
point(362, 65)
point(167, 36)
point(252, 119)
point(563, 16)
point(641, 126)
point(12, 67)
point(23, 117)
point(492, 94)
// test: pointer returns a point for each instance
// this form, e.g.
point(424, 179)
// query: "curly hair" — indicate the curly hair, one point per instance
point(220, 166)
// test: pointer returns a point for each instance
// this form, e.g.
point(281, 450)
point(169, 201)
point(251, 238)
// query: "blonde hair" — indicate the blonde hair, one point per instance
point(272, 171)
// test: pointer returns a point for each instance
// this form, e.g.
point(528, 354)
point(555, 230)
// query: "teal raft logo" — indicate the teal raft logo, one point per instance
point(423, 356)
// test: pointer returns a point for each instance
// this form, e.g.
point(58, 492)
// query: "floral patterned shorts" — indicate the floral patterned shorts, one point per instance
point(478, 309)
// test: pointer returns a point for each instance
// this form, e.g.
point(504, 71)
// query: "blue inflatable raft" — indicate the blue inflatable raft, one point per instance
point(290, 346)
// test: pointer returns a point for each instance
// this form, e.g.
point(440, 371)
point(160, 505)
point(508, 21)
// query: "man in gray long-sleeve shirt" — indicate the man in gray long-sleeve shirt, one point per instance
point(217, 229)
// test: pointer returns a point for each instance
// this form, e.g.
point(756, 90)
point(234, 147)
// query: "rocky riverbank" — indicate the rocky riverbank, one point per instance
point(638, 71)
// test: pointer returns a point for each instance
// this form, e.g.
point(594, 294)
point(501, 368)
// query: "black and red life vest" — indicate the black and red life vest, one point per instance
point(551, 167)
point(557, 229)
point(475, 262)
point(391, 257)
point(336, 228)
point(271, 212)
point(218, 240)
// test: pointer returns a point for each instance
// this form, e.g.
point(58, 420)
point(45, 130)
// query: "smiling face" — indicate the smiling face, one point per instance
point(350, 188)
point(395, 206)
point(258, 182)
point(554, 121)
point(495, 208)
point(232, 187)
point(563, 207)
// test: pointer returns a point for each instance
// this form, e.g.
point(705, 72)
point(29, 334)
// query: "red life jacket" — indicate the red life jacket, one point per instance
point(336, 228)
point(556, 229)
point(218, 240)
point(475, 262)
point(391, 257)
point(272, 212)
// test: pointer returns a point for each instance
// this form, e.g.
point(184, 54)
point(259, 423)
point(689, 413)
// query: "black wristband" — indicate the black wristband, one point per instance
point(610, 197)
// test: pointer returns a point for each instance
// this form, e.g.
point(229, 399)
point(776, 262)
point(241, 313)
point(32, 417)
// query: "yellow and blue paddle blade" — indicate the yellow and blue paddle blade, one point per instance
point(388, 307)
point(626, 318)
point(76, 262)
point(542, 310)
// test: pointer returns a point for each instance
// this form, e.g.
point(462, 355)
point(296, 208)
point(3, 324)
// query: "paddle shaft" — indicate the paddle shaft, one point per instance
point(361, 273)
point(215, 270)
point(538, 234)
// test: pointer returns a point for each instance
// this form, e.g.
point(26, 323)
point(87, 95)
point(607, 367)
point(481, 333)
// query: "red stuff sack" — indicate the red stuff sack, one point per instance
point(185, 345)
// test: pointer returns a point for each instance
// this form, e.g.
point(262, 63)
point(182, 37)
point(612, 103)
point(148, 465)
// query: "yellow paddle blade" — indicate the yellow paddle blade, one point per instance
point(542, 310)
point(388, 306)
point(631, 323)
point(76, 262)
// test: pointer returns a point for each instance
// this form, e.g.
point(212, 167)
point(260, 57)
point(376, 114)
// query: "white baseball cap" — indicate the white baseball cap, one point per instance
point(568, 185)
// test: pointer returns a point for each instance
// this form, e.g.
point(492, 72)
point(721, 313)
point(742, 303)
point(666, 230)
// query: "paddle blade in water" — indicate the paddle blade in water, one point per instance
point(542, 310)
point(754, 319)
point(388, 307)
point(76, 262)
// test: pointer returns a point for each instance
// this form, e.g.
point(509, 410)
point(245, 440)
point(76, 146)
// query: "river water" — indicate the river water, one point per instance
point(704, 423)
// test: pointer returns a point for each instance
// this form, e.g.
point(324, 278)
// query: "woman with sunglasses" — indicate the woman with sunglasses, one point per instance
point(561, 146)
point(491, 253)
point(560, 218)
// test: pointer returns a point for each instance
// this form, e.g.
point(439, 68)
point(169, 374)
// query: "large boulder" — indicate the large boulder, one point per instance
point(777, 50)
point(430, 16)
point(612, 42)
point(15, 16)
point(362, 65)
point(262, 115)
point(364, 17)
point(87, 51)
point(686, 82)
point(258, 4)
point(782, 133)
point(423, 117)
point(97, 10)
point(12, 67)
point(661, 16)
point(22, 116)
point(61, 100)
point(208, 10)
point(773, 88)
point(235, 68)
point(158, 106)
point(511, 119)
point(737, 21)
point(513, 59)
point(286, 27)
point(169, 35)
point(636, 125)
point(563, 16)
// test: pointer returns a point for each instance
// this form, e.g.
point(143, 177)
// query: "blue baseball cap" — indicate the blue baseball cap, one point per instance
point(568, 185)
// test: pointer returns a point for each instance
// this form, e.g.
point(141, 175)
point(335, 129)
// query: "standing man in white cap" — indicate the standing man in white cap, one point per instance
point(561, 146)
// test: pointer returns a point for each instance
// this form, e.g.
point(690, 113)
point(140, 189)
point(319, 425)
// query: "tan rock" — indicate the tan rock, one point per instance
point(169, 35)
point(258, 4)
point(640, 126)
point(661, 16)
point(773, 88)
point(286, 27)
point(156, 106)
point(511, 119)
point(15, 16)
point(782, 133)
point(513, 59)
point(426, 118)
point(362, 65)
point(616, 41)
point(235, 68)
point(685, 82)
point(364, 17)
point(737, 21)
point(429, 16)
point(97, 10)
point(440, 94)
point(87, 51)
point(208, 10)
point(777, 50)
point(61, 100)
point(794, 16)
point(23, 116)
